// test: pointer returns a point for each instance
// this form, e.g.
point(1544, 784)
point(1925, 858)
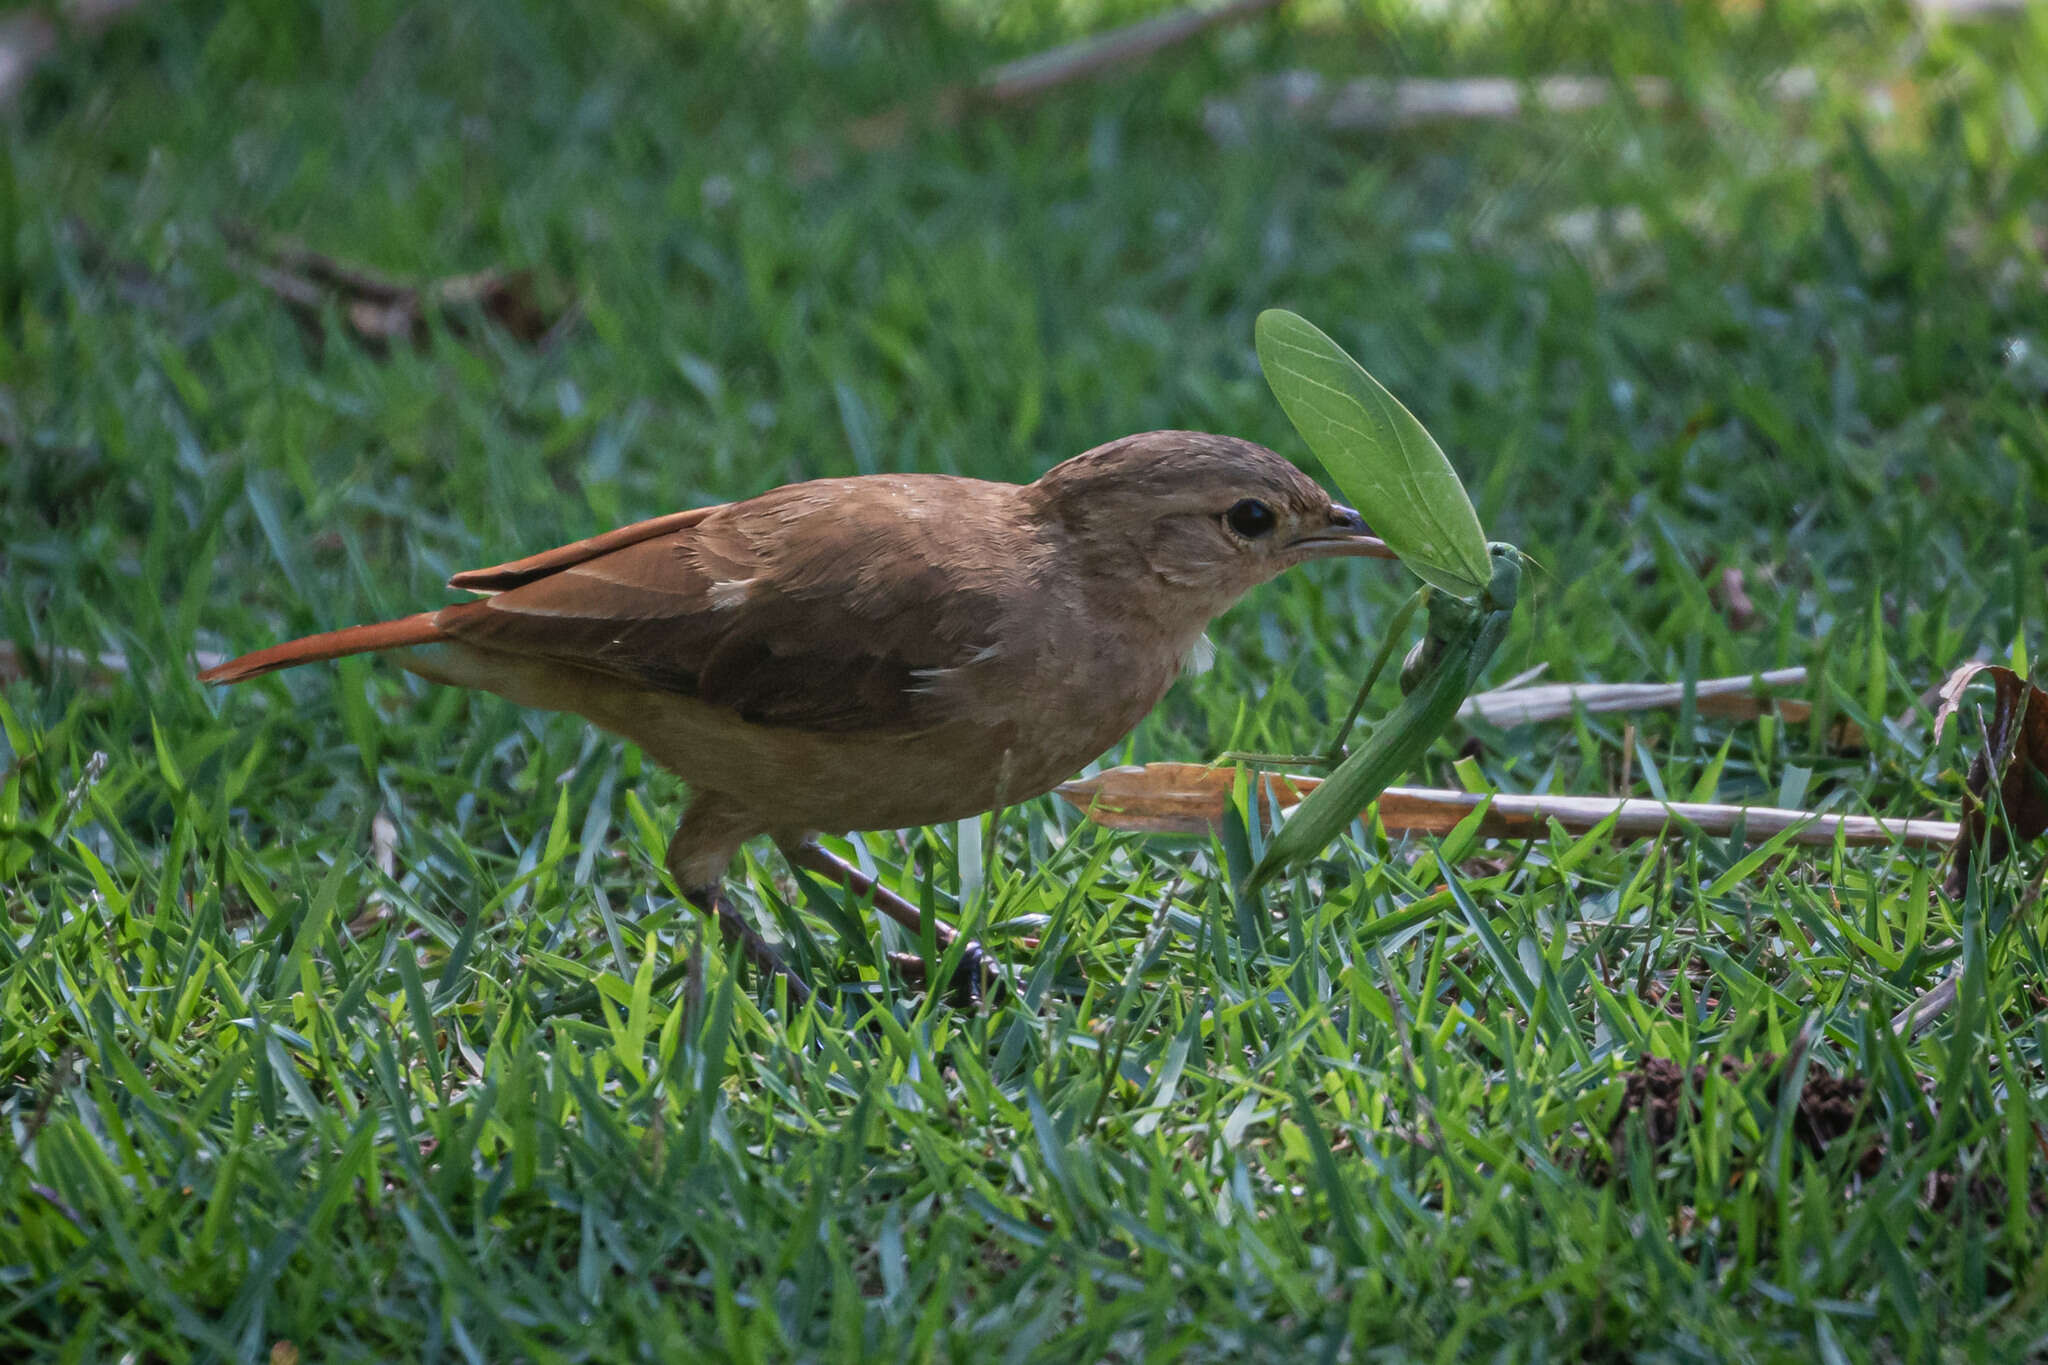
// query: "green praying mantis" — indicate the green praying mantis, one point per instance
point(1396, 475)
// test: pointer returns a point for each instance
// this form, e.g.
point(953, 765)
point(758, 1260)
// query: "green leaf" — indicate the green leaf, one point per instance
point(1382, 458)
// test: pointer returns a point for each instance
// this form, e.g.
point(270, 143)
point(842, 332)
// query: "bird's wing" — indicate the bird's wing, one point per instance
point(816, 608)
point(514, 572)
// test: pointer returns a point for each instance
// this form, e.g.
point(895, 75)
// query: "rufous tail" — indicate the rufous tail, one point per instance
point(406, 630)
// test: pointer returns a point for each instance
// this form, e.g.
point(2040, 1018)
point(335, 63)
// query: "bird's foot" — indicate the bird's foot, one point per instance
point(978, 976)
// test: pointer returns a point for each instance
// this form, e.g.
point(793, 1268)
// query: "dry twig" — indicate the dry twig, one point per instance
point(1191, 798)
point(1737, 698)
point(381, 310)
point(1028, 77)
point(1377, 103)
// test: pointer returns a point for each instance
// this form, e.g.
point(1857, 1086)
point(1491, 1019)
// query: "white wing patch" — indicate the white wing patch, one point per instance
point(930, 680)
point(729, 593)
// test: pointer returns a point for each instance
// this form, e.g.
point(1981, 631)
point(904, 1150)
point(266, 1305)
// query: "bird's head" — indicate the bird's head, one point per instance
point(1196, 518)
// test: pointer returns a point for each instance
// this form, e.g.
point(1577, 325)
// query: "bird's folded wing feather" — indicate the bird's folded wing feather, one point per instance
point(512, 573)
point(790, 610)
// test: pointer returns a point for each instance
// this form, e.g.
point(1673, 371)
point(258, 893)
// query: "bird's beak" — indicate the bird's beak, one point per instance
point(1347, 534)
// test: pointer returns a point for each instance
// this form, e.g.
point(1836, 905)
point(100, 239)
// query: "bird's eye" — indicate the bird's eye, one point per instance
point(1250, 518)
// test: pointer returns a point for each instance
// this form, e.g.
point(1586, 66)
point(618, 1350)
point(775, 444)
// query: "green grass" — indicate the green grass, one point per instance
point(1805, 341)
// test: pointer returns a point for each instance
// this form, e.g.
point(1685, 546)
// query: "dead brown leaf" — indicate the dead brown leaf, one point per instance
point(2016, 749)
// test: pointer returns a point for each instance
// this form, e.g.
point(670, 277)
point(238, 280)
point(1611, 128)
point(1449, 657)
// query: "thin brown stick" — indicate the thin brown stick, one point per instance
point(813, 856)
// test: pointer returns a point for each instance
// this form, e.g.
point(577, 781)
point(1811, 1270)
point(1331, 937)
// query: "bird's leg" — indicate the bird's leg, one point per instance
point(712, 903)
point(978, 972)
point(711, 831)
point(813, 856)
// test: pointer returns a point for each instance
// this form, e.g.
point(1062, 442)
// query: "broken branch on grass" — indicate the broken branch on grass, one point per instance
point(1379, 103)
point(1744, 697)
point(1028, 77)
point(1916, 1018)
point(381, 310)
point(1192, 798)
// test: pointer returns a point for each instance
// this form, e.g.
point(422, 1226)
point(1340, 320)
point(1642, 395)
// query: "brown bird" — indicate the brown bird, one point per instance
point(874, 652)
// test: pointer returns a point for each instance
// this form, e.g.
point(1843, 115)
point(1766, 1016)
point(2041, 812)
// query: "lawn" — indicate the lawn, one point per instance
point(299, 1056)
